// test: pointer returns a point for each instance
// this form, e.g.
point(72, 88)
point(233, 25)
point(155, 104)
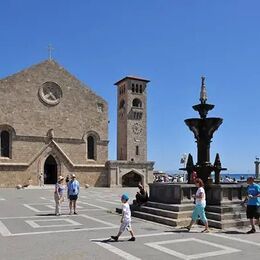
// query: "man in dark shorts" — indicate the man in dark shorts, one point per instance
point(253, 203)
point(73, 192)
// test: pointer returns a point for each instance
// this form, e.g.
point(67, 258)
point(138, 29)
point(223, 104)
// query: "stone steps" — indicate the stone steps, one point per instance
point(165, 213)
point(171, 207)
point(226, 216)
point(225, 208)
point(161, 219)
point(228, 223)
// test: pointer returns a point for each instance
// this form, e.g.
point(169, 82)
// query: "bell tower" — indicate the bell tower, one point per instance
point(131, 119)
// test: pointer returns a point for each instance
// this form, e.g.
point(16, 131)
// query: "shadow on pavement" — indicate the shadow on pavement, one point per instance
point(46, 214)
point(109, 240)
point(182, 230)
point(233, 232)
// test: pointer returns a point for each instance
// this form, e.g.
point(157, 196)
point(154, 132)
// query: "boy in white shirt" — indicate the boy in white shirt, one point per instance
point(125, 220)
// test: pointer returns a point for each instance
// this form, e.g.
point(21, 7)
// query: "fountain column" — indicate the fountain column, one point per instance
point(203, 129)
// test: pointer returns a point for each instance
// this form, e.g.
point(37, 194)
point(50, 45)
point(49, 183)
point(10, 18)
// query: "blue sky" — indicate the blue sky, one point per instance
point(170, 42)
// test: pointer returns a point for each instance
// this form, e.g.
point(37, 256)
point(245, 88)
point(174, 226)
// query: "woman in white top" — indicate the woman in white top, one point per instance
point(199, 210)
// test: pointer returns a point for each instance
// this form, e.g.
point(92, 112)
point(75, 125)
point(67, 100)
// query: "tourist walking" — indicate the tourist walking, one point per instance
point(253, 204)
point(73, 193)
point(59, 195)
point(199, 210)
point(125, 220)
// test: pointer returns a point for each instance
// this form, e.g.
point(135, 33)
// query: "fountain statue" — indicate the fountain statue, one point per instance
point(203, 129)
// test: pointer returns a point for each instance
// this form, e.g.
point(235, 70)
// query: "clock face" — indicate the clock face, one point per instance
point(137, 128)
point(50, 93)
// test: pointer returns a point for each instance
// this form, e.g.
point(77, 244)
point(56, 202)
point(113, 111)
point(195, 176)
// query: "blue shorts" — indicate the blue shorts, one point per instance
point(199, 212)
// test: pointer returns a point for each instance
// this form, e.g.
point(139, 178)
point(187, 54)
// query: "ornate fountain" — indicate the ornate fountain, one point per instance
point(203, 129)
point(223, 199)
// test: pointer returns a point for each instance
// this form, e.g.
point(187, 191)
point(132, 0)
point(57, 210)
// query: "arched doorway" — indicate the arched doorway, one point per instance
point(50, 170)
point(131, 179)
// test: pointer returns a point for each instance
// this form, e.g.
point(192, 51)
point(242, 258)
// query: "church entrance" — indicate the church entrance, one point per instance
point(131, 179)
point(50, 170)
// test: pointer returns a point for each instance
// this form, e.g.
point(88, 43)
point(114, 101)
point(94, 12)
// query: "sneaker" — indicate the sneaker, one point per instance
point(114, 238)
point(251, 231)
point(131, 239)
point(75, 213)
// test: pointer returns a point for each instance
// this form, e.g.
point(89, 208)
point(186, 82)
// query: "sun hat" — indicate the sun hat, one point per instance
point(125, 197)
point(60, 178)
point(73, 175)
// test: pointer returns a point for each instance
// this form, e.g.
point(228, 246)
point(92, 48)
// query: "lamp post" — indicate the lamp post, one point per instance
point(257, 162)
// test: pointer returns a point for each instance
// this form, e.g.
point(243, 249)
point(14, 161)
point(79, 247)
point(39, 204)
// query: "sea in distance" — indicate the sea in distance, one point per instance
point(237, 176)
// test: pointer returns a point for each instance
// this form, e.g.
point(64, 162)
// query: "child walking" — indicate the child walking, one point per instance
point(125, 220)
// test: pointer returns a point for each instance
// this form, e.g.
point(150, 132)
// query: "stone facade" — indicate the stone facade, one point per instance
point(131, 166)
point(131, 119)
point(125, 173)
point(52, 123)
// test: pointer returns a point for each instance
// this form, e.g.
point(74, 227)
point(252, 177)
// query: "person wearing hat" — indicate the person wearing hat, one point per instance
point(125, 220)
point(59, 195)
point(73, 192)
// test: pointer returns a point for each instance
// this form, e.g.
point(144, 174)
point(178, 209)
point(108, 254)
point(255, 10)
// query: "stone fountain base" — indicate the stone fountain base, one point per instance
point(172, 204)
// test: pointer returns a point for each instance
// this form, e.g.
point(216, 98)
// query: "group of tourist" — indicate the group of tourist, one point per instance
point(252, 211)
point(252, 205)
point(175, 178)
point(72, 187)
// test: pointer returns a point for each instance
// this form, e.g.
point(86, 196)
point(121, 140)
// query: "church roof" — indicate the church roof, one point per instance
point(46, 96)
point(49, 65)
point(133, 78)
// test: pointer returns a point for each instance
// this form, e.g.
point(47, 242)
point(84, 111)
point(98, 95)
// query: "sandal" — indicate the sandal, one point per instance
point(205, 231)
point(187, 227)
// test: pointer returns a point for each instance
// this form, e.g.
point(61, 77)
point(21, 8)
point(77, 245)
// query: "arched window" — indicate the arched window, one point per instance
point(5, 144)
point(137, 103)
point(133, 87)
point(137, 150)
point(91, 147)
point(122, 104)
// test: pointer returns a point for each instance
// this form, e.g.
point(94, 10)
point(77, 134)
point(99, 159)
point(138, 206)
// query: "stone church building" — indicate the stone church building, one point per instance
point(52, 123)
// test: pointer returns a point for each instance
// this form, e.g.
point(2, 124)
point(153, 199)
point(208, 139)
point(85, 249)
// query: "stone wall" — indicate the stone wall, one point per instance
point(54, 123)
point(118, 169)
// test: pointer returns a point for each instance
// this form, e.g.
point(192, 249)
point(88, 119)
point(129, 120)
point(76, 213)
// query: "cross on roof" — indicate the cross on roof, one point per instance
point(50, 49)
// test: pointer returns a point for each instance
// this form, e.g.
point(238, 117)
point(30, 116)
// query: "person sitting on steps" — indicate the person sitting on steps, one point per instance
point(141, 196)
